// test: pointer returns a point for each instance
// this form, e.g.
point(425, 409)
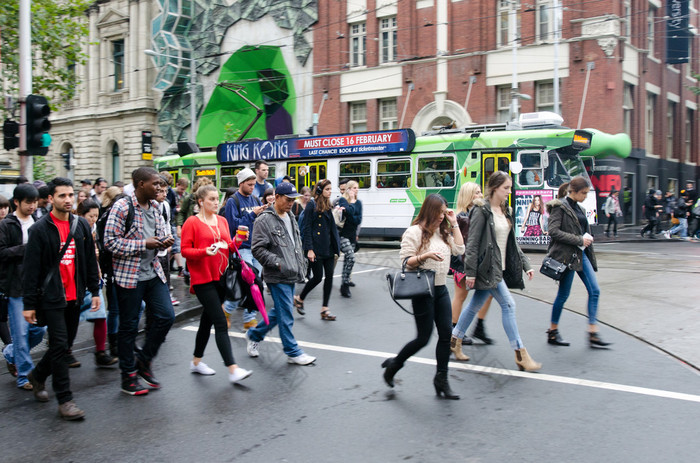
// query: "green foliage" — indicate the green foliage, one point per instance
point(42, 170)
point(695, 90)
point(59, 40)
point(231, 133)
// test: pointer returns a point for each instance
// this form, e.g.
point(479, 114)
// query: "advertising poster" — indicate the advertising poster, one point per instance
point(531, 216)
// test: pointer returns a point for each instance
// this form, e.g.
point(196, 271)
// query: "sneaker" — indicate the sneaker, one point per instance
point(250, 324)
point(131, 385)
point(239, 374)
point(71, 360)
point(69, 411)
point(303, 359)
point(39, 389)
point(174, 300)
point(202, 369)
point(252, 347)
point(145, 373)
point(351, 284)
point(103, 359)
point(171, 287)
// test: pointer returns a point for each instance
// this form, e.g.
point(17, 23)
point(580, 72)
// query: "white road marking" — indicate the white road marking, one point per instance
point(491, 370)
point(363, 271)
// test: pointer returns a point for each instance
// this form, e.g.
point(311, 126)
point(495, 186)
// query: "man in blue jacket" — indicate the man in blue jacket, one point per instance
point(242, 209)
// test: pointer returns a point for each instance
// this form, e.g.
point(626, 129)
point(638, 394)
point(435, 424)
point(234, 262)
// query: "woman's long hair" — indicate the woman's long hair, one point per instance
point(350, 184)
point(322, 203)
point(497, 179)
point(466, 196)
point(428, 214)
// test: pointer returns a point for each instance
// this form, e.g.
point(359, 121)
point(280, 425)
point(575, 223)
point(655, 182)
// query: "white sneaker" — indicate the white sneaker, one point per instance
point(303, 359)
point(202, 369)
point(239, 374)
point(252, 347)
point(174, 301)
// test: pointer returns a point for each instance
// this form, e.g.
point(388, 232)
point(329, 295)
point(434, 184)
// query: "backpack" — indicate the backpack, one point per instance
point(463, 220)
point(106, 254)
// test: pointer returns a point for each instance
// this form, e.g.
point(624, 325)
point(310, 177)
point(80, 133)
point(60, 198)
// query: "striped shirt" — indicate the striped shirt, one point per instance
point(127, 245)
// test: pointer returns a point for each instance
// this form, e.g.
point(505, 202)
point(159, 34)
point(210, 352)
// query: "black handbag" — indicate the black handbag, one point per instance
point(235, 286)
point(552, 268)
point(410, 284)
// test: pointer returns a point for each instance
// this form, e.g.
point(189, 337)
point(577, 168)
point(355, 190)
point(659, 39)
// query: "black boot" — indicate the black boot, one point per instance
point(442, 387)
point(345, 290)
point(555, 339)
point(390, 370)
point(595, 341)
point(480, 332)
point(103, 359)
point(113, 344)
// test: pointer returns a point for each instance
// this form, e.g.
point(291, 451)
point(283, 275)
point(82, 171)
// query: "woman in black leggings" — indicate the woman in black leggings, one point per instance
point(205, 244)
point(321, 244)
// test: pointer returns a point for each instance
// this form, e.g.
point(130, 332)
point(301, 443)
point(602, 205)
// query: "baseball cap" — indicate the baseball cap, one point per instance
point(86, 181)
point(287, 189)
point(245, 174)
point(658, 192)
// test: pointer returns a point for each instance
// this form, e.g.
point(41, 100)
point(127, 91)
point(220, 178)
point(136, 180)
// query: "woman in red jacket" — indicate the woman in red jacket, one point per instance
point(205, 245)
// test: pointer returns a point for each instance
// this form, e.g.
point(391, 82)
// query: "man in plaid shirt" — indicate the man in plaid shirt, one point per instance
point(138, 276)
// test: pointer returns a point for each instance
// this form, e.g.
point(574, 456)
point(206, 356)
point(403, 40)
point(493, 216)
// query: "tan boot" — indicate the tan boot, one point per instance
point(525, 362)
point(456, 348)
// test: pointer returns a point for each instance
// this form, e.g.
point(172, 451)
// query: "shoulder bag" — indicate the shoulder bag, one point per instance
point(552, 268)
point(410, 284)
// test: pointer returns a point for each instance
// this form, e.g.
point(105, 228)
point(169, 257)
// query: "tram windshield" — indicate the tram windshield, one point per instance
point(563, 167)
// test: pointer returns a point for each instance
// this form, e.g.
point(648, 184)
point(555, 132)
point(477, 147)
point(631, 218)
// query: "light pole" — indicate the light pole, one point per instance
point(193, 78)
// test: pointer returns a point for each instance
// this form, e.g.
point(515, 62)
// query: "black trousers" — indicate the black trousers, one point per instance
point(429, 310)
point(653, 223)
point(59, 324)
point(211, 296)
point(612, 220)
point(319, 266)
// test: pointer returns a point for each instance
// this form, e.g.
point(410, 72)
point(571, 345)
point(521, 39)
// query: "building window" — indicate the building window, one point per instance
point(387, 39)
point(688, 139)
point(387, 114)
point(358, 117)
point(545, 96)
point(628, 18)
point(116, 170)
point(358, 41)
point(673, 186)
point(652, 182)
point(651, 20)
point(670, 129)
point(118, 60)
point(628, 108)
point(651, 106)
point(504, 7)
point(358, 171)
point(503, 100)
point(548, 21)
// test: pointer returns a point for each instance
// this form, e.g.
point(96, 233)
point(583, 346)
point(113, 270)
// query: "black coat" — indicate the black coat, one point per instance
point(41, 255)
point(320, 233)
point(566, 236)
point(11, 256)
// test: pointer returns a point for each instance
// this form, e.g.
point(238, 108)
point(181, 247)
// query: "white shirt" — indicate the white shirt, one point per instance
point(26, 223)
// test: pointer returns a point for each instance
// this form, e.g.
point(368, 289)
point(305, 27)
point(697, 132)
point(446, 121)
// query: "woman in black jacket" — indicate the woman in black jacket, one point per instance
point(352, 213)
point(572, 244)
point(321, 244)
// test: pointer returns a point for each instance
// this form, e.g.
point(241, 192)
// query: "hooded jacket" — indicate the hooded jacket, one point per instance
point(566, 236)
point(11, 256)
point(282, 261)
point(483, 257)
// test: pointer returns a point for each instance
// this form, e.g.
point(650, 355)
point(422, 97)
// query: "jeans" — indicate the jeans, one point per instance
point(589, 279)
point(160, 316)
point(281, 313)
point(112, 307)
point(429, 310)
point(210, 296)
point(320, 265)
point(348, 249)
point(505, 300)
point(24, 338)
point(229, 307)
point(681, 227)
point(59, 322)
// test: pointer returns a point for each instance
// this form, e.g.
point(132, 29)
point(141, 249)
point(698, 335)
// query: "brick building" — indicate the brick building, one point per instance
point(419, 63)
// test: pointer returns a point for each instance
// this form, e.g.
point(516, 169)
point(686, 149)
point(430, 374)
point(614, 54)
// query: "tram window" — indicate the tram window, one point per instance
point(436, 172)
point(271, 173)
point(228, 177)
point(532, 174)
point(393, 173)
point(358, 171)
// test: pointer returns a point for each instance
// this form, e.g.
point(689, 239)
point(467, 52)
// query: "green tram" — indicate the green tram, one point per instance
point(397, 169)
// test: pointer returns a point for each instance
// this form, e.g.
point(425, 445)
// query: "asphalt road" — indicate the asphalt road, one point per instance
point(630, 403)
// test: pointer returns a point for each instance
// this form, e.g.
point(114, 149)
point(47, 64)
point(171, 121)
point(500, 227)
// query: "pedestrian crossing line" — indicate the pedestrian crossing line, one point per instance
point(363, 271)
point(490, 370)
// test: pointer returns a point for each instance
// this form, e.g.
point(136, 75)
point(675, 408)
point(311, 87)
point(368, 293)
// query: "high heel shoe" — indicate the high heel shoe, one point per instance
point(555, 339)
point(595, 341)
point(525, 362)
point(480, 333)
point(442, 387)
point(390, 370)
point(327, 316)
point(456, 348)
point(299, 304)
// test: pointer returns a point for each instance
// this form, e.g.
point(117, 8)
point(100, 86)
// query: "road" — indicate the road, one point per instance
point(630, 403)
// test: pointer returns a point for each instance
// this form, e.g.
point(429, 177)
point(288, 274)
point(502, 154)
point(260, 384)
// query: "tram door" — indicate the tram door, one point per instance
point(306, 173)
point(490, 163)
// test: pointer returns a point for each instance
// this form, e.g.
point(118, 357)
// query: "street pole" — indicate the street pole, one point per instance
point(193, 101)
point(25, 81)
point(558, 22)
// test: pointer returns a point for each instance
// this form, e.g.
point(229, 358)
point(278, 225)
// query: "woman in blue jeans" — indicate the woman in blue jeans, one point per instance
point(572, 244)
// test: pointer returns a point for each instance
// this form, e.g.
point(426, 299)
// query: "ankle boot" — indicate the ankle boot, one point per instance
point(442, 387)
point(113, 344)
point(595, 341)
point(480, 332)
point(456, 348)
point(103, 359)
point(555, 339)
point(525, 362)
point(345, 290)
point(390, 369)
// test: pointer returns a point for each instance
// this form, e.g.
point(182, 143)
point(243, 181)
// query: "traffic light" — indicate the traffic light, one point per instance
point(38, 125)
point(66, 160)
point(10, 131)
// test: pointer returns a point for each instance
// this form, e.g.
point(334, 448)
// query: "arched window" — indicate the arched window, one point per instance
point(116, 170)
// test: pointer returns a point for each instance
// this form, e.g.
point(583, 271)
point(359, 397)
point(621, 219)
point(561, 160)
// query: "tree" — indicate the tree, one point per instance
point(59, 40)
point(695, 90)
